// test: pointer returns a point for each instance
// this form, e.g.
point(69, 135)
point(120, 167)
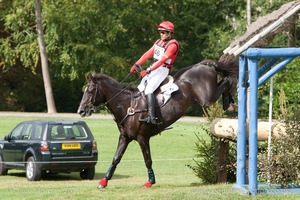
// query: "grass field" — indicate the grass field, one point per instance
point(171, 152)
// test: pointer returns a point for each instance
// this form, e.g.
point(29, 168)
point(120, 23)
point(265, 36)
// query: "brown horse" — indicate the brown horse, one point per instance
point(196, 83)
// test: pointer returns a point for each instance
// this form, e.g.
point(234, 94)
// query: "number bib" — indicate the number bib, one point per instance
point(158, 52)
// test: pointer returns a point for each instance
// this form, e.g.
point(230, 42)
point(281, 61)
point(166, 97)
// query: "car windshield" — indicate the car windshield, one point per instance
point(67, 131)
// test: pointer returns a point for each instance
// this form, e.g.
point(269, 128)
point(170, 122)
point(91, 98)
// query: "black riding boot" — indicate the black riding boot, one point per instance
point(150, 119)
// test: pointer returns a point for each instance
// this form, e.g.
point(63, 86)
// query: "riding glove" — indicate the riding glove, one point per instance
point(143, 73)
point(133, 69)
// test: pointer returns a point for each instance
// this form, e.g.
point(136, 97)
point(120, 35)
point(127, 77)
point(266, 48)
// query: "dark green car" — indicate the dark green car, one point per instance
point(42, 146)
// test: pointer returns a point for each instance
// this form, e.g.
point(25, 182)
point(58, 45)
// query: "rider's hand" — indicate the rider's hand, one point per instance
point(134, 68)
point(143, 73)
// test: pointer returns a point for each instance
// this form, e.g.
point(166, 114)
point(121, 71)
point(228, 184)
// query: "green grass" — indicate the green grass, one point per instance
point(171, 152)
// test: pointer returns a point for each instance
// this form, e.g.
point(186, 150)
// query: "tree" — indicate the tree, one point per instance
point(46, 77)
point(108, 37)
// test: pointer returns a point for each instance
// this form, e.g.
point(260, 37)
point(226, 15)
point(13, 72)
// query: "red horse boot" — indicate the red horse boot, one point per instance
point(102, 183)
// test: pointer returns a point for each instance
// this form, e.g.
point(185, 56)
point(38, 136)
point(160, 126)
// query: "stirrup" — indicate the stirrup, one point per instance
point(145, 120)
point(153, 121)
point(149, 120)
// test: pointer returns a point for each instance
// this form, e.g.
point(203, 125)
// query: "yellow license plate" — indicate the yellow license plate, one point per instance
point(71, 146)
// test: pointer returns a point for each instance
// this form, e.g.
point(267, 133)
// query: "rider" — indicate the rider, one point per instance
point(164, 52)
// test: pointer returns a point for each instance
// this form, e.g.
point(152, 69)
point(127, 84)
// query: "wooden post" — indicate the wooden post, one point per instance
point(223, 153)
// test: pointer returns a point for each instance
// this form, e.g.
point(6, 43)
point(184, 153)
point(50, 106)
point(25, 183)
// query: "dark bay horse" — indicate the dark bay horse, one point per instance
point(197, 83)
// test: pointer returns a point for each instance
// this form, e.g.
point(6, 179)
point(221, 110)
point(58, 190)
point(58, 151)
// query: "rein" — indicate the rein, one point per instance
point(130, 110)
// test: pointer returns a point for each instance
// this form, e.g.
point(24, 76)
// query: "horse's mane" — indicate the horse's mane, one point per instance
point(111, 81)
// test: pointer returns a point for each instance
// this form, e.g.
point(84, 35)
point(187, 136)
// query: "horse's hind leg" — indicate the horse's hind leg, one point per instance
point(226, 96)
point(122, 145)
point(223, 89)
point(145, 147)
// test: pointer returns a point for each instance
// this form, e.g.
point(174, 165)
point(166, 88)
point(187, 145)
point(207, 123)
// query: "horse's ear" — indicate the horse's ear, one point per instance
point(89, 76)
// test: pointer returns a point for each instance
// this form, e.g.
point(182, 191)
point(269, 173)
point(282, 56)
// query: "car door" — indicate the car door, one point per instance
point(22, 143)
point(9, 148)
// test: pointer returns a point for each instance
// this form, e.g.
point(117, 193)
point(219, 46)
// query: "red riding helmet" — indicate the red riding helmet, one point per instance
point(166, 26)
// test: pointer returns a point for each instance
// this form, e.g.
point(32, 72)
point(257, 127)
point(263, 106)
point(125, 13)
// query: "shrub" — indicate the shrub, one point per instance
point(207, 167)
point(282, 165)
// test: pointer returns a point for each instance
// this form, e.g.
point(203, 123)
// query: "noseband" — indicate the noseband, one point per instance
point(91, 104)
point(102, 105)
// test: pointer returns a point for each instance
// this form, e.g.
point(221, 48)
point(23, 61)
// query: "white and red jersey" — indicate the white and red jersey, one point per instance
point(164, 53)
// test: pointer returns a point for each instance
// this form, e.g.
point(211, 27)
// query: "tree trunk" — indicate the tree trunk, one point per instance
point(248, 13)
point(44, 59)
point(292, 32)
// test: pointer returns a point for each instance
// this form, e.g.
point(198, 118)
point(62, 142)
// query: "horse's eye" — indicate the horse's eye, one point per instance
point(90, 88)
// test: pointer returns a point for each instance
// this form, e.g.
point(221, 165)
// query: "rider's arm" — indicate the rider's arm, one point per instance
point(146, 56)
point(171, 50)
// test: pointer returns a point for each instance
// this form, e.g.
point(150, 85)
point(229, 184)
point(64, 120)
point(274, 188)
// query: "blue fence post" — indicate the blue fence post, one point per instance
point(242, 114)
point(253, 144)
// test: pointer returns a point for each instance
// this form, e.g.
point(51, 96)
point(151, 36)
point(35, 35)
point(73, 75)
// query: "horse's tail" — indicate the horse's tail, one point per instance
point(228, 67)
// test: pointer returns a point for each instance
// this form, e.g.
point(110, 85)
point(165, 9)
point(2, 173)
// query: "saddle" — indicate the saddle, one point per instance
point(164, 91)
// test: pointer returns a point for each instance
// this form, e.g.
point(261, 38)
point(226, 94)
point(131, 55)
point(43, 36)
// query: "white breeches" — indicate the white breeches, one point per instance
point(154, 79)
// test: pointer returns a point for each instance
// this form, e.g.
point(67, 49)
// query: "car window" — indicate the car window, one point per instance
point(26, 132)
point(16, 133)
point(73, 131)
point(38, 132)
point(78, 130)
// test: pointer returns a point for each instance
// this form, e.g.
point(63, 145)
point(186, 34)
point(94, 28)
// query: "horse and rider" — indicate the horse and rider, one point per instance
point(197, 83)
point(164, 53)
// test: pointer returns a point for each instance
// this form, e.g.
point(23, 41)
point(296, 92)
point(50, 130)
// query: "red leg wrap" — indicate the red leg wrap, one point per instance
point(102, 183)
point(148, 185)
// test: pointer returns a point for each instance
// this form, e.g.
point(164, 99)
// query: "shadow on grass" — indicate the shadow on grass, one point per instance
point(64, 176)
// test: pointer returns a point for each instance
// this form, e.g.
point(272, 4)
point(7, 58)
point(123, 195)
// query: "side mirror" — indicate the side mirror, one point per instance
point(7, 138)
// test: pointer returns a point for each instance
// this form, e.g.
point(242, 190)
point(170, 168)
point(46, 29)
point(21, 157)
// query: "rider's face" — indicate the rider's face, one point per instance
point(164, 35)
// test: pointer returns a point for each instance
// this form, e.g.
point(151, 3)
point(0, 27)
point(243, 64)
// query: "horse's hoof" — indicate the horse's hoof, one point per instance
point(148, 185)
point(102, 183)
point(232, 107)
point(100, 186)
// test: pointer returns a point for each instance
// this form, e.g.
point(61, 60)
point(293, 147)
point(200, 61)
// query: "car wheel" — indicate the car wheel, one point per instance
point(88, 173)
point(3, 169)
point(33, 173)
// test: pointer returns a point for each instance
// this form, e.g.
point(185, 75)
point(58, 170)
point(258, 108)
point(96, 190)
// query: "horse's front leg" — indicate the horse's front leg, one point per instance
point(122, 145)
point(145, 147)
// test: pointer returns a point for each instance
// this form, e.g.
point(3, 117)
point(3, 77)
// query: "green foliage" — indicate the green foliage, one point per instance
point(109, 36)
point(287, 81)
point(282, 167)
point(207, 168)
point(104, 36)
point(18, 39)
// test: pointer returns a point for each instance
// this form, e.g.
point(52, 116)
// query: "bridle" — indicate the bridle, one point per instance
point(92, 103)
point(102, 105)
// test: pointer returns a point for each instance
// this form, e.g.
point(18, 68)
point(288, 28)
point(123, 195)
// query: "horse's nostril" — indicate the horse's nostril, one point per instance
point(80, 111)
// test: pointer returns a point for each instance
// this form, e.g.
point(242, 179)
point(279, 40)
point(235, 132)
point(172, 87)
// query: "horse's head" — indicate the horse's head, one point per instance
point(90, 98)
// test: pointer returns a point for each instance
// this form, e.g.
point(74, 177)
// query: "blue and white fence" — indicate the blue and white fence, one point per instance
point(251, 76)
